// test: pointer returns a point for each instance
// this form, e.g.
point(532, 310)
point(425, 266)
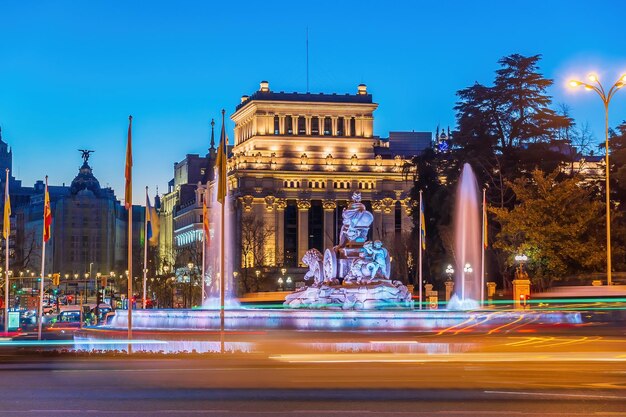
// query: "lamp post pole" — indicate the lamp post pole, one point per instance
point(606, 100)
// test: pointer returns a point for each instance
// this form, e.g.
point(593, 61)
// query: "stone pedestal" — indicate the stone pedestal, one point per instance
point(491, 291)
point(449, 289)
point(521, 293)
point(377, 295)
point(431, 297)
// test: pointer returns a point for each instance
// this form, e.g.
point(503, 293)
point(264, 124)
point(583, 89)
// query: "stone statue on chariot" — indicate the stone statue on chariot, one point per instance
point(355, 274)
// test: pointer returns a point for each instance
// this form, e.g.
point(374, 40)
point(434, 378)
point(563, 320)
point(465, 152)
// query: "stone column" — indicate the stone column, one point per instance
point(320, 121)
point(280, 204)
point(308, 125)
point(377, 208)
point(368, 126)
point(281, 124)
point(333, 124)
point(329, 220)
point(303, 227)
point(389, 217)
point(294, 124)
point(270, 221)
point(347, 125)
point(407, 211)
point(358, 126)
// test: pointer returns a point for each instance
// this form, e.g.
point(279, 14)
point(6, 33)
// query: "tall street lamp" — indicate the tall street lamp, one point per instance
point(606, 97)
point(449, 272)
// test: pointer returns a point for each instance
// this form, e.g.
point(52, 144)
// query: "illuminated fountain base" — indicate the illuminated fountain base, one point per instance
point(177, 320)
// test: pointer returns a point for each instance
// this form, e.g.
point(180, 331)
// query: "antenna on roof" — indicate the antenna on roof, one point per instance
point(307, 59)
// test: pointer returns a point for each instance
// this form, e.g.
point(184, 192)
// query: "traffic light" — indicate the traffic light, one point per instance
point(56, 279)
point(103, 281)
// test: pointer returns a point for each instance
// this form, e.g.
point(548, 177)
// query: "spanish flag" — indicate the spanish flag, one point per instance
point(152, 223)
point(47, 214)
point(422, 225)
point(205, 220)
point(6, 229)
point(220, 164)
point(128, 174)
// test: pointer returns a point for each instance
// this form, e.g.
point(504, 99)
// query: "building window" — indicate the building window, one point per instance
point(288, 125)
point(301, 125)
point(328, 126)
point(398, 218)
point(276, 125)
point(340, 129)
point(291, 184)
point(316, 225)
point(291, 234)
point(352, 126)
point(315, 126)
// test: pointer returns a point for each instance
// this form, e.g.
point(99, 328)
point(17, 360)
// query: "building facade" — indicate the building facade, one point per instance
point(296, 160)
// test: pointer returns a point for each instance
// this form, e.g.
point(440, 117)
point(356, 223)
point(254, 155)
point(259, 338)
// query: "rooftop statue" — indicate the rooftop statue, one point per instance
point(85, 154)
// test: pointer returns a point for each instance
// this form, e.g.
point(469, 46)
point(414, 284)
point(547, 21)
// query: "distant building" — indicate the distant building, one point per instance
point(405, 144)
point(181, 206)
point(89, 227)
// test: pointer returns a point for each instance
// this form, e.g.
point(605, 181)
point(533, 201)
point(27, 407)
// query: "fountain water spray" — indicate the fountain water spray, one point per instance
point(214, 254)
point(467, 235)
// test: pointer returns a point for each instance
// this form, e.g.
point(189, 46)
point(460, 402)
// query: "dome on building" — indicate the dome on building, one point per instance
point(85, 181)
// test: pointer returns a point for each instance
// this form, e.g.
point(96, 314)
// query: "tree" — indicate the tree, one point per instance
point(617, 146)
point(508, 129)
point(255, 236)
point(427, 169)
point(556, 222)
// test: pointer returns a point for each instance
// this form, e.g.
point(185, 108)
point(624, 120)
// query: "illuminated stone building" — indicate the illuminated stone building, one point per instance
point(297, 158)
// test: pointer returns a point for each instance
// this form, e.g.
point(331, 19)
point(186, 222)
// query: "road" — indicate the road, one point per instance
point(569, 372)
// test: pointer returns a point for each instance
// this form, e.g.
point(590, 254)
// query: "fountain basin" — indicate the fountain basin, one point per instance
point(356, 320)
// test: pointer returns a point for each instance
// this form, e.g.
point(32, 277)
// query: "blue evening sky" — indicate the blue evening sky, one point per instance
point(71, 72)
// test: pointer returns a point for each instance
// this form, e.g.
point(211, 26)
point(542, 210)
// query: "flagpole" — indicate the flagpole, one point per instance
point(420, 253)
point(223, 243)
point(6, 255)
point(43, 266)
point(129, 206)
point(204, 241)
point(482, 248)
point(145, 252)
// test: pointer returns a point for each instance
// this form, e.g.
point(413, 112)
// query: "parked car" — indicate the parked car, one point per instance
point(66, 322)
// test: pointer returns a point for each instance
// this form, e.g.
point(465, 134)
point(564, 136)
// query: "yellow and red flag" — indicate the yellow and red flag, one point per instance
point(221, 164)
point(6, 226)
point(47, 214)
point(205, 221)
point(128, 174)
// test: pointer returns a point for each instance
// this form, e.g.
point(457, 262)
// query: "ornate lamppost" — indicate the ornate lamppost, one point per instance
point(606, 97)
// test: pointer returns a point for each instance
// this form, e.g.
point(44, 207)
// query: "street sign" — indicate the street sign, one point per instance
point(14, 320)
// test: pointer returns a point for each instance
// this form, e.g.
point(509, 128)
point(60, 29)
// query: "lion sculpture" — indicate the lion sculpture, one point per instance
point(313, 259)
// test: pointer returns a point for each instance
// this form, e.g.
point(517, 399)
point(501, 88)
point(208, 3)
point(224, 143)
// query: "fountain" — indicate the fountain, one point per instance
point(467, 234)
point(214, 253)
point(351, 290)
point(355, 274)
